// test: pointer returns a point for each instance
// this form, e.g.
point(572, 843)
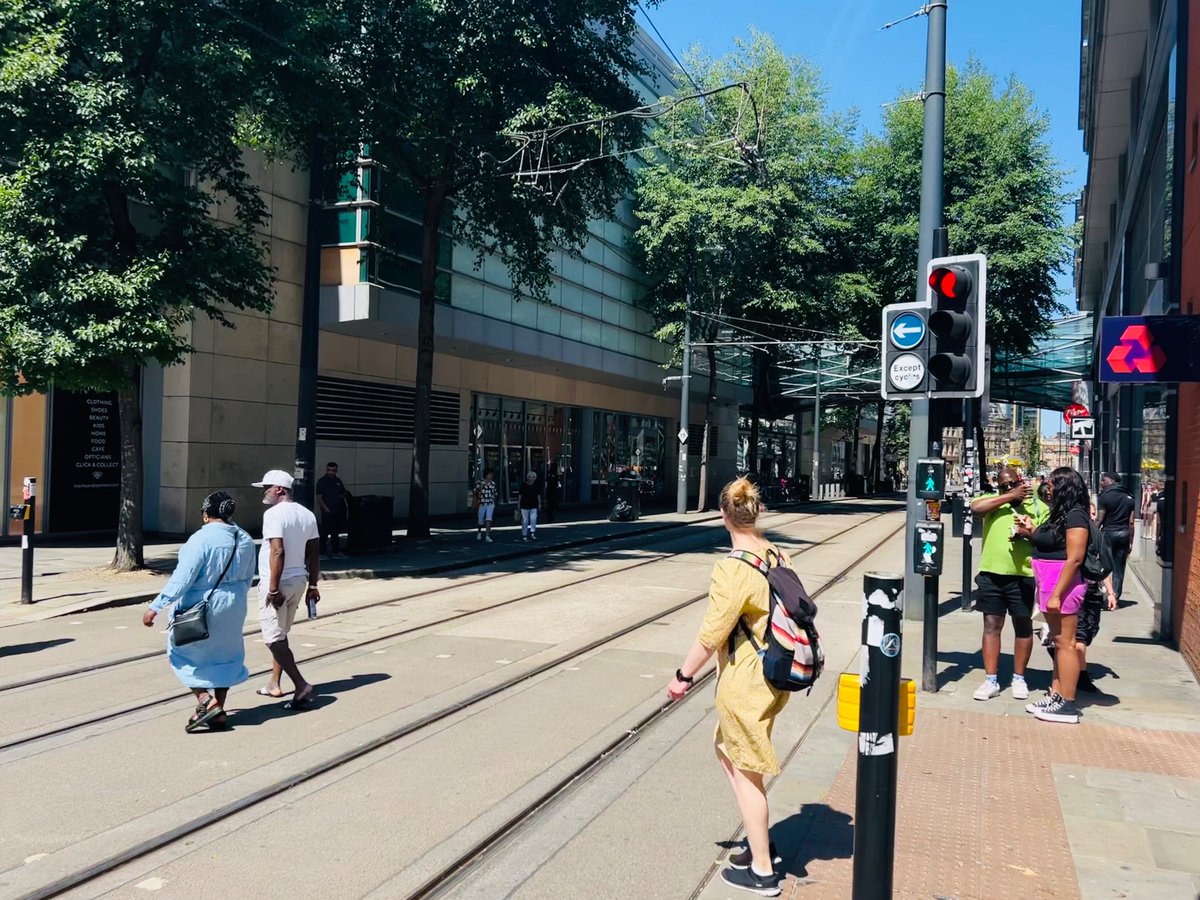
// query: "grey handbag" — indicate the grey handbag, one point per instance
point(191, 625)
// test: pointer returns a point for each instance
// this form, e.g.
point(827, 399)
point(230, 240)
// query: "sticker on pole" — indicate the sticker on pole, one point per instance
point(907, 331)
point(906, 372)
point(890, 645)
point(683, 435)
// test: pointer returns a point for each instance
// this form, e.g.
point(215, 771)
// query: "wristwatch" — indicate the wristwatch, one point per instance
point(681, 677)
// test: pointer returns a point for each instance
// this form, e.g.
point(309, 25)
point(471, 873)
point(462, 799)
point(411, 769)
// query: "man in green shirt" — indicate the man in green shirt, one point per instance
point(1004, 584)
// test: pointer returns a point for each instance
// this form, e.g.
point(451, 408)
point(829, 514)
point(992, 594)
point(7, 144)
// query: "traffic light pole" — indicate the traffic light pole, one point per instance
point(685, 381)
point(932, 156)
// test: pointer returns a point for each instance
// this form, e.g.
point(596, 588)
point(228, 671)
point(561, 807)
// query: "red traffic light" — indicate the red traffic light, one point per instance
point(951, 282)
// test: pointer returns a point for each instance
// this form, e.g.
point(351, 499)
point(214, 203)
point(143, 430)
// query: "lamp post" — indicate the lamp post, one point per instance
point(685, 381)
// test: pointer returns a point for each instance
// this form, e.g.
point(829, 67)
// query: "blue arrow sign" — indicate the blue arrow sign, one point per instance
point(907, 331)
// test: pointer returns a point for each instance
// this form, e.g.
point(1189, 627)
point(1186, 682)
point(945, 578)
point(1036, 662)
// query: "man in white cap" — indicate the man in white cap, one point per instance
point(288, 570)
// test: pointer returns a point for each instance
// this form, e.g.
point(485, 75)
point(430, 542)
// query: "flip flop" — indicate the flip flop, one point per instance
point(263, 692)
point(299, 701)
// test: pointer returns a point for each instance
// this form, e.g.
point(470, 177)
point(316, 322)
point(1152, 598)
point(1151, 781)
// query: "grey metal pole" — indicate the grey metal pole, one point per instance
point(685, 381)
point(310, 335)
point(816, 459)
point(931, 218)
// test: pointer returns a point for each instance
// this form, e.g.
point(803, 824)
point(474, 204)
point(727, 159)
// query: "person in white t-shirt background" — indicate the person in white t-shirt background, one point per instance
point(288, 570)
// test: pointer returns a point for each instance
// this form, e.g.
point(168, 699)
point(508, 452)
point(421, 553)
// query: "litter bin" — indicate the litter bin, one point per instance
point(624, 501)
point(370, 525)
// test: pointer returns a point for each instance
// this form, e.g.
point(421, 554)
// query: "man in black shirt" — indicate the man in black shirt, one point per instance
point(1114, 513)
point(331, 498)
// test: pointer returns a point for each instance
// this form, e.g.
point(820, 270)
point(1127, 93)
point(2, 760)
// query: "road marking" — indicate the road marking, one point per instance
point(151, 884)
point(377, 652)
point(35, 857)
point(503, 662)
point(122, 627)
point(76, 623)
point(571, 669)
point(645, 676)
point(444, 655)
point(308, 645)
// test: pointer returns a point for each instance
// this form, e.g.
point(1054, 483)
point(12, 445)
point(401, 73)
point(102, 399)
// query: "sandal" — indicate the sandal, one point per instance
point(220, 722)
point(206, 711)
point(301, 701)
point(266, 692)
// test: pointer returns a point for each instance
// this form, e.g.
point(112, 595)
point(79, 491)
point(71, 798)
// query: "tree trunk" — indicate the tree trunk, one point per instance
point(418, 493)
point(130, 550)
point(710, 407)
point(858, 411)
point(877, 450)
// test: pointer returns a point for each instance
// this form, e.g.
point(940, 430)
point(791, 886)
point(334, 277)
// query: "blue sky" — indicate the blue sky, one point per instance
point(863, 68)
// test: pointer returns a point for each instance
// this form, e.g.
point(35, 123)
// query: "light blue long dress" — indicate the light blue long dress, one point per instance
point(219, 661)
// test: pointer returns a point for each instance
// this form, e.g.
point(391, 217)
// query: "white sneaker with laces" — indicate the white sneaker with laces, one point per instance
point(987, 690)
point(1020, 689)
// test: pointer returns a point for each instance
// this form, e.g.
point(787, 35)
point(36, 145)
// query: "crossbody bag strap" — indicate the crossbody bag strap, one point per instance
point(224, 571)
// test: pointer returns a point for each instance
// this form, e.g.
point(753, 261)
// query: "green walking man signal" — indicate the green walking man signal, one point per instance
point(931, 479)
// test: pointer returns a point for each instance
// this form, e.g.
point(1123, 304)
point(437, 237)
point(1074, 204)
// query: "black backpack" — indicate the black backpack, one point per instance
point(1098, 561)
point(792, 658)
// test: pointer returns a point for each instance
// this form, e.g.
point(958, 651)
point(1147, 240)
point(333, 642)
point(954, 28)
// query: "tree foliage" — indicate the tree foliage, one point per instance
point(446, 87)
point(1003, 197)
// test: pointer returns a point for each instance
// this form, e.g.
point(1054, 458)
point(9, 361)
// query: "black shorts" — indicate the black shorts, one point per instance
point(996, 595)
point(1087, 622)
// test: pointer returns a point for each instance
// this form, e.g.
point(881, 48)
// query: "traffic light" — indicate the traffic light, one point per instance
point(958, 325)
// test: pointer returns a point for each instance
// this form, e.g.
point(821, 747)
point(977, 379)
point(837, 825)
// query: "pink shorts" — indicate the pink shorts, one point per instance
point(1045, 573)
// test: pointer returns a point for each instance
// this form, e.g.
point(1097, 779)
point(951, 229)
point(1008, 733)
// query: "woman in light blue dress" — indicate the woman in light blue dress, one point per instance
point(212, 666)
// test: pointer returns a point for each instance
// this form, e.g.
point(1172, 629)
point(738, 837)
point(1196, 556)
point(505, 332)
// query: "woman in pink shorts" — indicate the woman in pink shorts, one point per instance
point(1059, 546)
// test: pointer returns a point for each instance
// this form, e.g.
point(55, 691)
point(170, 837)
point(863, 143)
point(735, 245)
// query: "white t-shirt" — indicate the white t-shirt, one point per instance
point(297, 526)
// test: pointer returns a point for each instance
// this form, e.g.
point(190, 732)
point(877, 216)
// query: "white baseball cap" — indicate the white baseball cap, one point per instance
point(275, 478)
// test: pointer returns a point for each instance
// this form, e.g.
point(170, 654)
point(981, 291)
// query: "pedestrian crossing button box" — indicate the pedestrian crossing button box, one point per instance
point(927, 548)
point(931, 479)
point(17, 513)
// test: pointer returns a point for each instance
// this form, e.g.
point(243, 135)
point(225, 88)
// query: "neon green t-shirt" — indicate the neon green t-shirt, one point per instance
point(1002, 556)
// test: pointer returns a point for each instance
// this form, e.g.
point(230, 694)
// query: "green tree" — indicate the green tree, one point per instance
point(742, 189)
point(1003, 196)
point(445, 87)
point(1031, 447)
point(123, 126)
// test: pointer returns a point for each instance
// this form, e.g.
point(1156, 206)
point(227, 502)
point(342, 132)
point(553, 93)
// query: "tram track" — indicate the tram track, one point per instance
point(591, 550)
point(360, 748)
point(351, 648)
point(442, 882)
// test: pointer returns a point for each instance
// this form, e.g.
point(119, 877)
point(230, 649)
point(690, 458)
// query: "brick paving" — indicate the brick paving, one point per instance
point(985, 820)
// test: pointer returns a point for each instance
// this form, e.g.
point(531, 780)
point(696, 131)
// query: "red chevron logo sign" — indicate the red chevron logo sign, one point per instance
point(1136, 352)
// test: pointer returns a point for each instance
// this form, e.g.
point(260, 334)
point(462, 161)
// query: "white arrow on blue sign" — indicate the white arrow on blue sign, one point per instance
point(907, 331)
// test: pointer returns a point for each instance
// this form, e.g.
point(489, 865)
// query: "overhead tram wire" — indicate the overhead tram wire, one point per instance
point(667, 46)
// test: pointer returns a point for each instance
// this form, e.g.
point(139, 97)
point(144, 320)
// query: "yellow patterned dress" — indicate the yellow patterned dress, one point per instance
point(746, 704)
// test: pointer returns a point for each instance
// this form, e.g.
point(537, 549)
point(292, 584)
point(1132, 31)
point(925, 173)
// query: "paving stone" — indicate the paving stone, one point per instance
point(1109, 880)
point(1175, 850)
point(1098, 837)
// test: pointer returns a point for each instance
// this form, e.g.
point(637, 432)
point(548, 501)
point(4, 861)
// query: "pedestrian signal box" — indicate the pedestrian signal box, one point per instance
point(927, 548)
point(931, 479)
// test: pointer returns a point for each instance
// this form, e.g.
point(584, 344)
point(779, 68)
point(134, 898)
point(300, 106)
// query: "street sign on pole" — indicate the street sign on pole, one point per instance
point(1074, 411)
point(683, 435)
point(1083, 428)
point(908, 330)
point(905, 351)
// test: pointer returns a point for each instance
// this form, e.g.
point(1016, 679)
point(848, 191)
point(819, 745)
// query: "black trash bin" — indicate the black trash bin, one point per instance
point(370, 525)
point(624, 501)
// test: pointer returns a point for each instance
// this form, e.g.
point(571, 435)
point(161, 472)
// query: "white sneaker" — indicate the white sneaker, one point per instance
point(488, 539)
point(479, 537)
point(987, 690)
point(1020, 690)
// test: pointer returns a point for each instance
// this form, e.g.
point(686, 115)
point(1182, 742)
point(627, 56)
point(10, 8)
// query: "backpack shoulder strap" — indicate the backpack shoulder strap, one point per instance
point(750, 559)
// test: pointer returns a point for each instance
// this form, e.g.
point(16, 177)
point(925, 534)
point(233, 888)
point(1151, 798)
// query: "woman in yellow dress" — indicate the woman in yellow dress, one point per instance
point(746, 704)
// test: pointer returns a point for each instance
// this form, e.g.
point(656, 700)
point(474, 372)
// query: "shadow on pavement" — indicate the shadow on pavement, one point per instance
point(962, 665)
point(324, 695)
point(18, 649)
point(817, 831)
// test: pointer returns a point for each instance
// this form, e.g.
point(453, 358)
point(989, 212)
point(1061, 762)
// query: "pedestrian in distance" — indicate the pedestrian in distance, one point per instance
point(486, 492)
point(1114, 513)
point(1004, 585)
point(1059, 546)
point(289, 568)
point(530, 500)
point(553, 489)
point(746, 703)
point(215, 567)
point(331, 499)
